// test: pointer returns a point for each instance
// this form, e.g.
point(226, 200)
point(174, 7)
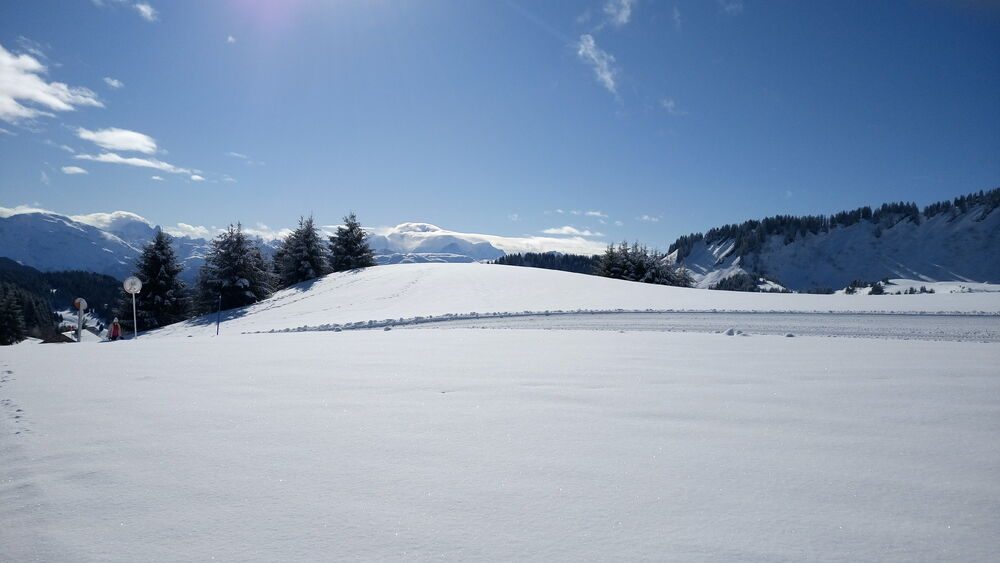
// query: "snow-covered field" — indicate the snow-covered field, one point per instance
point(407, 291)
point(578, 442)
point(480, 444)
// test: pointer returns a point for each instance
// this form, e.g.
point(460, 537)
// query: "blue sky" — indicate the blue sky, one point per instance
point(657, 117)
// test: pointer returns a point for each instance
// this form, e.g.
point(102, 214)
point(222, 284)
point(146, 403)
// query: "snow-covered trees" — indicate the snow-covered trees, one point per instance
point(349, 248)
point(639, 263)
point(302, 255)
point(234, 273)
point(163, 299)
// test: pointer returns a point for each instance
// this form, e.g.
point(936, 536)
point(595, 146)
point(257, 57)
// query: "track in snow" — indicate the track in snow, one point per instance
point(968, 328)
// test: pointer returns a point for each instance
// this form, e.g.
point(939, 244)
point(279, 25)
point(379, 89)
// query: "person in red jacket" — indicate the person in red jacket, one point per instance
point(116, 330)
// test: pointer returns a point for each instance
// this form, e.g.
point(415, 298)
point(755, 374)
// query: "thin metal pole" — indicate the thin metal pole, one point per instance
point(135, 324)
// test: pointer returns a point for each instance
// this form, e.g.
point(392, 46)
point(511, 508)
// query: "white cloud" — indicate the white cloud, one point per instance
point(600, 214)
point(230, 39)
point(670, 105)
point(619, 12)
point(109, 220)
point(116, 139)
point(147, 12)
point(648, 219)
point(572, 231)
point(678, 20)
point(73, 170)
point(731, 7)
point(157, 178)
point(618, 223)
point(197, 178)
point(114, 158)
point(44, 178)
point(21, 83)
point(7, 132)
point(191, 231)
point(113, 82)
point(229, 179)
point(266, 233)
point(602, 62)
point(20, 210)
point(514, 217)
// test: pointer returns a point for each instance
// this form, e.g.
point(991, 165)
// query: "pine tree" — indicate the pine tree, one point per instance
point(301, 256)
point(234, 273)
point(162, 300)
point(349, 248)
point(11, 320)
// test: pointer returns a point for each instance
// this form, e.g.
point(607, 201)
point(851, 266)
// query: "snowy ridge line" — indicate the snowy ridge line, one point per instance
point(447, 317)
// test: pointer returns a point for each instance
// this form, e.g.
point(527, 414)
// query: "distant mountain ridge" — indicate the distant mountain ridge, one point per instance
point(956, 239)
point(109, 243)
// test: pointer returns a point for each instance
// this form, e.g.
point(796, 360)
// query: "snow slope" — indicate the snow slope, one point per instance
point(420, 290)
point(483, 445)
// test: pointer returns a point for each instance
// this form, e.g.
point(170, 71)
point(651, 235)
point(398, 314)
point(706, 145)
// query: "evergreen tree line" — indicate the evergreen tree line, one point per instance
point(639, 263)
point(24, 313)
point(236, 272)
point(745, 282)
point(750, 236)
point(28, 298)
point(552, 261)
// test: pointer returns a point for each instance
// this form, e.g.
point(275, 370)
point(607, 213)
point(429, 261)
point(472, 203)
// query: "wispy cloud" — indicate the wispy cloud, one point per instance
point(32, 47)
point(671, 106)
point(113, 82)
point(54, 144)
point(514, 217)
point(114, 158)
point(678, 19)
point(245, 158)
point(71, 170)
point(602, 62)
point(157, 178)
point(197, 178)
point(116, 139)
point(146, 11)
point(731, 7)
point(230, 39)
point(619, 12)
point(228, 179)
point(7, 132)
point(44, 178)
point(648, 218)
point(599, 214)
point(22, 82)
point(571, 231)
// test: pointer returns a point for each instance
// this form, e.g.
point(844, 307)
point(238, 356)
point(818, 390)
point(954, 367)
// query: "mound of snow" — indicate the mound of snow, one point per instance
point(420, 291)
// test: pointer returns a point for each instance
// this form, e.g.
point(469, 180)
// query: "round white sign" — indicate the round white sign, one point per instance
point(132, 284)
point(80, 303)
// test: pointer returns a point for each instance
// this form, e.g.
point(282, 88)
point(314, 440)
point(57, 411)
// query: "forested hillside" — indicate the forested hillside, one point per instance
point(957, 239)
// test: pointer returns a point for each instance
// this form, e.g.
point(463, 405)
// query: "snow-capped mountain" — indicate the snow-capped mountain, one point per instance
point(109, 243)
point(947, 241)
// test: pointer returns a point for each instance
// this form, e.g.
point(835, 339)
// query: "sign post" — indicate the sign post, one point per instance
point(81, 305)
point(133, 285)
